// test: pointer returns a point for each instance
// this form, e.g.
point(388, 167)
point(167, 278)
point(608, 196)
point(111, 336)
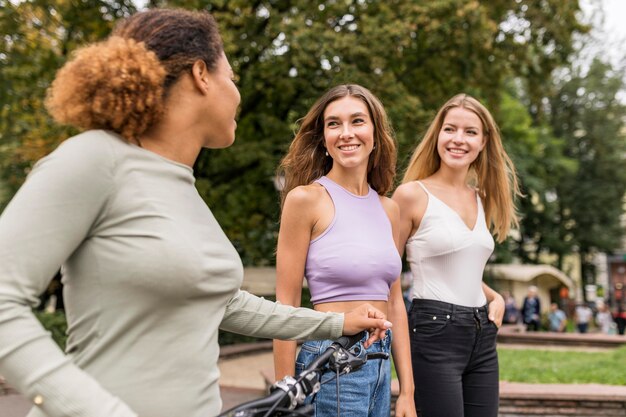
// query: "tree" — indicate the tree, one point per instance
point(414, 55)
point(540, 163)
point(39, 35)
point(588, 115)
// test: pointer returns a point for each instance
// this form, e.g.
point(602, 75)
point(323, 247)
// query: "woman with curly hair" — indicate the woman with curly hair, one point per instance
point(339, 231)
point(149, 274)
point(458, 187)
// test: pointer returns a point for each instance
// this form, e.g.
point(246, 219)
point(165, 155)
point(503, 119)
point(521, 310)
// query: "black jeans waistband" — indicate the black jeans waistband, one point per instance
point(421, 304)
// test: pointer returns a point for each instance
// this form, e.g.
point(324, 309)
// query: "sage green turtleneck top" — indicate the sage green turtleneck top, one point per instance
point(149, 277)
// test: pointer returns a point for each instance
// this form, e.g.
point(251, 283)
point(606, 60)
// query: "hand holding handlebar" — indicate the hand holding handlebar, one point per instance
point(290, 393)
point(366, 317)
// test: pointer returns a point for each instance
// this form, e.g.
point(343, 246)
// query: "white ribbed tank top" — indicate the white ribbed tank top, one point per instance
point(446, 257)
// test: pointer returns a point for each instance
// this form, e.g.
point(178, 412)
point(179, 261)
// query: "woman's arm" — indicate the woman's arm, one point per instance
point(255, 316)
point(400, 344)
point(401, 350)
point(49, 217)
point(296, 226)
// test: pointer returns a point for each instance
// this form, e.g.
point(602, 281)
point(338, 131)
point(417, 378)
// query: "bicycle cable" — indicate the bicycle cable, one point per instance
point(275, 407)
point(337, 385)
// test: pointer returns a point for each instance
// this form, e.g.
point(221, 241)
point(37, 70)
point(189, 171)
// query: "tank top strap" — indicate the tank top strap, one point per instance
point(340, 194)
point(329, 185)
point(423, 187)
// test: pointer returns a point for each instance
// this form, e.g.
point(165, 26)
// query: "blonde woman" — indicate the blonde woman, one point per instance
point(340, 232)
point(457, 191)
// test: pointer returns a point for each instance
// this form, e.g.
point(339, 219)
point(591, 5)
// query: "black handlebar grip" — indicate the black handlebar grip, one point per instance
point(347, 342)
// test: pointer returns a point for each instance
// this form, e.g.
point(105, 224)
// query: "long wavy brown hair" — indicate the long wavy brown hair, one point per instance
point(306, 160)
point(493, 171)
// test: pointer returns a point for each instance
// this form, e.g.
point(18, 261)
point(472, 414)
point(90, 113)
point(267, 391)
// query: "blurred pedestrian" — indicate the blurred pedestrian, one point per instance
point(604, 319)
point(557, 320)
point(531, 309)
point(511, 312)
point(620, 319)
point(582, 316)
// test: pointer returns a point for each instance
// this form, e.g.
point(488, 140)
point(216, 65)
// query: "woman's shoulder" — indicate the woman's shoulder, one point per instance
point(409, 193)
point(93, 150)
point(92, 145)
point(306, 195)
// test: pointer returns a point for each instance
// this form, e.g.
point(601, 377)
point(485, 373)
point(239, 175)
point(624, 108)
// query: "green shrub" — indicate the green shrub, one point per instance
point(56, 324)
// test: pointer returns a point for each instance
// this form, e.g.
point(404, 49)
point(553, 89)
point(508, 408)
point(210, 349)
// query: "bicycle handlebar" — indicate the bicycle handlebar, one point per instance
point(288, 393)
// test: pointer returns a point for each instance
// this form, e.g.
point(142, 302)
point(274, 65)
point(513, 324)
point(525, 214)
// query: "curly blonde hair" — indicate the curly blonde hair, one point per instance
point(120, 84)
point(306, 160)
point(495, 174)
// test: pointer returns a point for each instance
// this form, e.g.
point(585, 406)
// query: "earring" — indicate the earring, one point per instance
point(374, 147)
point(326, 153)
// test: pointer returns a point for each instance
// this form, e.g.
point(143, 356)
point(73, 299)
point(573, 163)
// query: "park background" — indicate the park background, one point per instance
point(548, 69)
point(553, 72)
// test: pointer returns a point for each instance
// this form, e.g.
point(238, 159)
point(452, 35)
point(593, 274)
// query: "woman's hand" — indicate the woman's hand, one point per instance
point(495, 305)
point(496, 310)
point(366, 317)
point(405, 406)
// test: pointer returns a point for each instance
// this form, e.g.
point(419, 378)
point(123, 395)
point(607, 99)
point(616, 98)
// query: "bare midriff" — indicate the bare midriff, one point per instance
point(345, 306)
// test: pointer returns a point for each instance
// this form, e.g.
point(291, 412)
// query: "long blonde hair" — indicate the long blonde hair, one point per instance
point(306, 160)
point(493, 170)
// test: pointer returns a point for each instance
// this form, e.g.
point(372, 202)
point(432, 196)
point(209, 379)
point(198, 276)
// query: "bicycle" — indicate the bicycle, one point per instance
point(287, 396)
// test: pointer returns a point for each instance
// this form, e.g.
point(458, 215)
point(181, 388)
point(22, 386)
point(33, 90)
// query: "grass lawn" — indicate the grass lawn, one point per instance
point(563, 367)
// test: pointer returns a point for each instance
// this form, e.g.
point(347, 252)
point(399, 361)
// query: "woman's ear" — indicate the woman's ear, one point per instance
point(201, 76)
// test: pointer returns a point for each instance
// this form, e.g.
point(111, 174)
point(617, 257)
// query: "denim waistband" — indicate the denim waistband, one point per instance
point(420, 304)
point(379, 345)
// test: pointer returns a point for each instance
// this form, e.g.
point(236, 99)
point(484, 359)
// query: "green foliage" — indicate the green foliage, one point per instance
point(562, 367)
point(587, 115)
point(56, 324)
point(540, 162)
point(38, 36)
point(413, 54)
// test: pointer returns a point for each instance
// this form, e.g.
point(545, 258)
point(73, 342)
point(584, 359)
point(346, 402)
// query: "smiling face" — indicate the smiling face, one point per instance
point(460, 139)
point(348, 132)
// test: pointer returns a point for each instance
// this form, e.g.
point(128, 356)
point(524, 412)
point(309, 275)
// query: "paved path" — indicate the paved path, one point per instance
point(241, 378)
point(241, 381)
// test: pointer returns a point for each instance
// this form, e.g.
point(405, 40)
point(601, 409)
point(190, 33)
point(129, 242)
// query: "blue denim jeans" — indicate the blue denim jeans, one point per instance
point(365, 392)
point(455, 362)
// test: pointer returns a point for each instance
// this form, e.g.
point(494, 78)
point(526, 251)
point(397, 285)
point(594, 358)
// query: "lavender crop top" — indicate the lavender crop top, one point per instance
point(355, 258)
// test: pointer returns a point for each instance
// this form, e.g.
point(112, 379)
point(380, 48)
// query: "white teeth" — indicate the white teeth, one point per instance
point(459, 151)
point(348, 147)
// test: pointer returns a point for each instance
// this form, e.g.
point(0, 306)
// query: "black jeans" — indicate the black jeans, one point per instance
point(455, 362)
